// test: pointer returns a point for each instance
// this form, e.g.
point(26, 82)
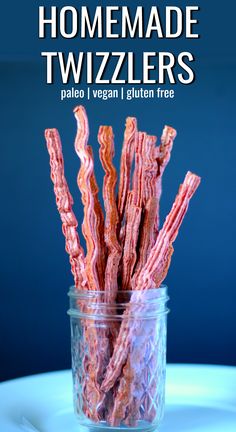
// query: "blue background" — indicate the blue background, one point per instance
point(35, 273)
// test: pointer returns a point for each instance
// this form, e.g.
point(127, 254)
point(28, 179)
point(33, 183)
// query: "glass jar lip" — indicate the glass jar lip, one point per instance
point(79, 293)
point(140, 304)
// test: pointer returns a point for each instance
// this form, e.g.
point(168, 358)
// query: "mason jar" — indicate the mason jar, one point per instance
point(118, 358)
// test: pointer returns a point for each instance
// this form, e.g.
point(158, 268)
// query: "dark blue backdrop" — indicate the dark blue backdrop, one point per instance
point(35, 273)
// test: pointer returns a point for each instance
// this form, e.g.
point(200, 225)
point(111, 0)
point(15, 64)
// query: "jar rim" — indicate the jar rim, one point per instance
point(85, 293)
point(141, 304)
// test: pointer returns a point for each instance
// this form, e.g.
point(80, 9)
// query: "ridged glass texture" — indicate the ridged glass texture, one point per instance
point(136, 399)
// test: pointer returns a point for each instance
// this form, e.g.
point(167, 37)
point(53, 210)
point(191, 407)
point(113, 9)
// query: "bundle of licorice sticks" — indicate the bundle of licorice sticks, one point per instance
point(126, 249)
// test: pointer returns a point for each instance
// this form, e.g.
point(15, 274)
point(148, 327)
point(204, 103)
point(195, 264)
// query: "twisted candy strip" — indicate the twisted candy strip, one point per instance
point(130, 385)
point(64, 203)
point(163, 157)
point(144, 189)
point(146, 235)
point(150, 168)
point(130, 137)
point(144, 180)
point(167, 140)
point(144, 195)
point(137, 182)
point(96, 340)
point(162, 269)
point(69, 224)
point(84, 182)
point(155, 161)
point(152, 163)
point(133, 215)
point(122, 397)
point(157, 259)
point(106, 152)
point(101, 259)
point(133, 218)
point(154, 263)
point(146, 172)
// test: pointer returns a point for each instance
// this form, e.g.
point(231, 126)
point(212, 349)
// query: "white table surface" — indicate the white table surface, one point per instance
point(198, 399)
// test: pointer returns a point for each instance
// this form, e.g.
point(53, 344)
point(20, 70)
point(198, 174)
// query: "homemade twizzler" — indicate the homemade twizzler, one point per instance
point(128, 254)
point(106, 141)
point(64, 203)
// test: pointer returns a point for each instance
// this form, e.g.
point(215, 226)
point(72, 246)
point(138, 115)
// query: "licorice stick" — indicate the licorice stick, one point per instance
point(146, 234)
point(97, 350)
point(106, 152)
point(155, 162)
point(140, 239)
point(127, 154)
point(163, 153)
point(150, 169)
point(157, 258)
point(101, 258)
point(133, 216)
point(84, 183)
point(137, 180)
point(64, 203)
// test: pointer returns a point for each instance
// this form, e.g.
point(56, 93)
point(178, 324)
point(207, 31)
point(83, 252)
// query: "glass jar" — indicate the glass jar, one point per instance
point(119, 358)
